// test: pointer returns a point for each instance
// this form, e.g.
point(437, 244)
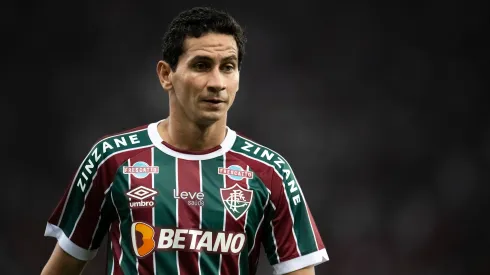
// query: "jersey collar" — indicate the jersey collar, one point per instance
point(157, 140)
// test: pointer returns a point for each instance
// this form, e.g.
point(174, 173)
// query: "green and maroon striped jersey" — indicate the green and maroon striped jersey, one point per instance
point(172, 212)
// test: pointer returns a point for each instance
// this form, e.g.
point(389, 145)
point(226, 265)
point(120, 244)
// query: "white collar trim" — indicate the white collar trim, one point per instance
point(156, 139)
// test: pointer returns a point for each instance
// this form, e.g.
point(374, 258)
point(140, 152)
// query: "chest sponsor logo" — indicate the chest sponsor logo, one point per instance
point(141, 197)
point(146, 239)
point(237, 200)
point(140, 169)
point(235, 172)
point(192, 198)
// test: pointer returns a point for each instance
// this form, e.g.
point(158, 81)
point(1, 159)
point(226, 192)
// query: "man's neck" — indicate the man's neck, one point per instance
point(189, 136)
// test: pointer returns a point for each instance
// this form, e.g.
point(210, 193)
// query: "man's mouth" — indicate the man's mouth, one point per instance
point(214, 101)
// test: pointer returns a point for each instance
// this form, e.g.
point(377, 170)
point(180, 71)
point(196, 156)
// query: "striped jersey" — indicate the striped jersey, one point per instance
point(166, 211)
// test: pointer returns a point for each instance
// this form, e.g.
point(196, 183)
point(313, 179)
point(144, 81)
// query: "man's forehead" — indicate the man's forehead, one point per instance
point(212, 45)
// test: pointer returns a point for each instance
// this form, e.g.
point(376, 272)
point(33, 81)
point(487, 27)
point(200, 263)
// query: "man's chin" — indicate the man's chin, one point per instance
point(210, 118)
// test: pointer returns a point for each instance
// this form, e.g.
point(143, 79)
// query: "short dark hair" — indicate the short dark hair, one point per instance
point(195, 23)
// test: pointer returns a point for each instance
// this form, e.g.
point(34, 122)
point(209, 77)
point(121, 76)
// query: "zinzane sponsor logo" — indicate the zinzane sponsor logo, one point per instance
point(100, 151)
point(143, 197)
point(140, 169)
point(146, 239)
point(280, 165)
point(235, 172)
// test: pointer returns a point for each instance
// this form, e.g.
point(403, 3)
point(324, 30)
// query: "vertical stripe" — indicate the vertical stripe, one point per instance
point(270, 244)
point(318, 238)
point(212, 211)
point(270, 241)
point(224, 216)
point(142, 214)
point(115, 236)
point(131, 218)
point(120, 187)
point(165, 209)
point(189, 212)
point(275, 242)
point(293, 227)
point(153, 208)
point(110, 256)
point(283, 226)
point(106, 216)
point(177, 210)
point(254, 251)
point(200, 215)
point(97, 231)
point(243, 256)
point(95, 196)
point(230, 261)
point(110, 264)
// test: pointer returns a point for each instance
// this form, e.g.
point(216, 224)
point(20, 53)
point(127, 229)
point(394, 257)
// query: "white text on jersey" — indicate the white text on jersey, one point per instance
point(93, 161)
point(223, 242)
point(268, 156)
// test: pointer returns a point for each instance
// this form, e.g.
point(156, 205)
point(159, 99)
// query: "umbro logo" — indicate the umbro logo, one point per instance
point(144, 195)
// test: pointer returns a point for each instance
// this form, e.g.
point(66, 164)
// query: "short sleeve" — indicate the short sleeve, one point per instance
point(84, 214)
point(291, 238)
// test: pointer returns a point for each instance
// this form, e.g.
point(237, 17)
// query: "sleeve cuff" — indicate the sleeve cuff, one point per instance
point(67, 245)
point(311, 259)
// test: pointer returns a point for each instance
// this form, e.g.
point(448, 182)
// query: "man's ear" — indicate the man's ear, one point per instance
point(165, 75)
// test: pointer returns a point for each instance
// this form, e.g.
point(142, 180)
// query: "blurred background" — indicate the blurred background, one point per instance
point(381, 108)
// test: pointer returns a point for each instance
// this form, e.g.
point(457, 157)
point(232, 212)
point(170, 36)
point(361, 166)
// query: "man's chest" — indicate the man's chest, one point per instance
point(190, 194)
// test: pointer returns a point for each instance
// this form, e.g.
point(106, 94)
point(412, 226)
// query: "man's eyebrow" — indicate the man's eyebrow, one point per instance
point(231, 58)
point(207, 58)
point(201, 57)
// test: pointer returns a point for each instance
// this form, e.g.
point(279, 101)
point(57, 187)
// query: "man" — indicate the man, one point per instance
point(187, 195)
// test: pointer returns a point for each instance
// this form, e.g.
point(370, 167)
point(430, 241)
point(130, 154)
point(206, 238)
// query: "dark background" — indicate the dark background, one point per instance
point(381, 108)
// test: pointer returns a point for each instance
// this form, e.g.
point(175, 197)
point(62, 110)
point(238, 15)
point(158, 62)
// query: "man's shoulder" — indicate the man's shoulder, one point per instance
point(252, 149)
point(124, 140)
point(123, 132)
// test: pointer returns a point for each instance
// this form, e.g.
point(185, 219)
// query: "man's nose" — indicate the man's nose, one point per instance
point(216, 81)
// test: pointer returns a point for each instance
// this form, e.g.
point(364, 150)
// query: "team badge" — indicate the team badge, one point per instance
point(235, 172)
point(236, 200)
point(140, 169)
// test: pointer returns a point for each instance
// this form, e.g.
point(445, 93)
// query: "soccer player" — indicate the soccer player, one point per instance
point(187, 195)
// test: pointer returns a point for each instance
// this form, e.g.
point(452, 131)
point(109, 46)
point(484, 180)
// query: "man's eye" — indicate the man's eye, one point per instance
point(200, 66)
point(229, 67)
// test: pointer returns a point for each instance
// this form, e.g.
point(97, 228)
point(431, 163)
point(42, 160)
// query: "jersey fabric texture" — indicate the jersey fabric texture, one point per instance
point(167, 211)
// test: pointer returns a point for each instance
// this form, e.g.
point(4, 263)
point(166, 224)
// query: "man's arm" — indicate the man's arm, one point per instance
point(310, 270)
point(62, 263)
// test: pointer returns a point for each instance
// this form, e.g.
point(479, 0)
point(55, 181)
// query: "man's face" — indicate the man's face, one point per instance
point(206, 80)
